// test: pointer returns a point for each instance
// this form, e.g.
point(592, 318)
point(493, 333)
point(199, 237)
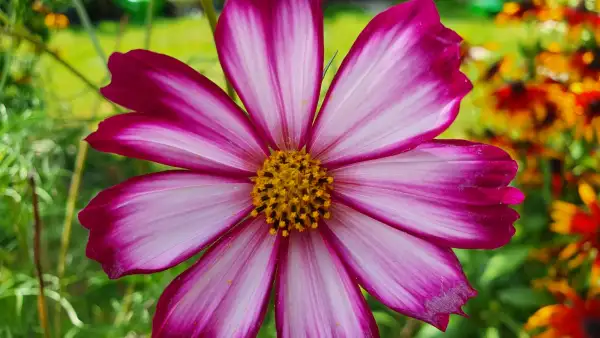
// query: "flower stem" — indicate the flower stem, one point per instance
point(8, 55)
point(67, 225)
point(42, 309)
point(127, 299)
point(149, 17)
point(512, 325)
point(74, 193)
point(41, 46)
point(89, 28)
point(211, 15)
point(4, 18)
point(410, 326)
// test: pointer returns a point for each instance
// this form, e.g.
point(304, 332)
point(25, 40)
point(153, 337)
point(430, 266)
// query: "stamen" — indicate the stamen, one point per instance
point(293, 191)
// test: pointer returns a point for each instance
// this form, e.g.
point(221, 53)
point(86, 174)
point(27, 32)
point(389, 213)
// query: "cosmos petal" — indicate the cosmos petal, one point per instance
point(453, 192)
point(164, 87)
point(272, 52)
point(406, 273)
point(139, 135)
point(399, 86)
point(315, 296)
point(153, 222)
point(225, 293)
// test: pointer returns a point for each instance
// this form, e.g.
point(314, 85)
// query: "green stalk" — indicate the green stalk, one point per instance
point(37, 235)
point(6, 67)
point(41, 46)
point(89, 28)
point(9, 53)
point(512, 325)
point(73, 193)
point(4, 18)
point(67, 225)
point(211, 15)
point(20, 231)
point(149, 17)
point(410, 326)
point(127, 299)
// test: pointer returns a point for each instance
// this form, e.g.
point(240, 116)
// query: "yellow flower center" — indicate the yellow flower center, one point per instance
point(293, 192)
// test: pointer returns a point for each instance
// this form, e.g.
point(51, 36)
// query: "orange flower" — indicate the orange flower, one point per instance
point(571, 219)
point(585, 117)
point(39, 7)
point(56, 20)
point(572, 317)
point(498, 73)
point(581, 15)
point(546, 122)
point(519, 97)
point(475, 53)
point(589, 102)
point(464, 51)
point(504, 69)
point(567, 176)
point(589, 175)
point(533, 111)
point(531, 172)
point(493, 70)
point(526, 9)
point(585, 63)
point(578, 19)
point(553, 66)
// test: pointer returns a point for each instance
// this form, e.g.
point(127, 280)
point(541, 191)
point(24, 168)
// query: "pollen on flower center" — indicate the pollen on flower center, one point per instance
point(293, 192)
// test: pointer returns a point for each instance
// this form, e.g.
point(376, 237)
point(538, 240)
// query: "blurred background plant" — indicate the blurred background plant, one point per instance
point(535, 65)
point(542, 105)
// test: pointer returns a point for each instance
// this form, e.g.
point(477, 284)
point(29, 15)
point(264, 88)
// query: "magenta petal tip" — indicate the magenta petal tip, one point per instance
point(513, 196)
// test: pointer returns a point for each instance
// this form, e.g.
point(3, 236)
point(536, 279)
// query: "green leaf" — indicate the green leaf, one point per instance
point(384, 319)
point(535, 223)
point(504, 262)
point(492, 332)
point(524, 297)
point(577, 150)
point(464, 256)
point(457, 328)
point(486, 6)
point(428, 331)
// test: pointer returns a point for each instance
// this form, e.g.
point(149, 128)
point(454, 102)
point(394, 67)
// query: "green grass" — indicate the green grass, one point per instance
point(190, 40)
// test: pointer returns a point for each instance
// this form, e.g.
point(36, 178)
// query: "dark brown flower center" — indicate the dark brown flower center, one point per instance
point(593, 109)
point(591, 327)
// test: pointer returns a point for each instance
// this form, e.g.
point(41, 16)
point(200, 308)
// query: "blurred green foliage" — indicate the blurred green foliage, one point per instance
point(137, 8)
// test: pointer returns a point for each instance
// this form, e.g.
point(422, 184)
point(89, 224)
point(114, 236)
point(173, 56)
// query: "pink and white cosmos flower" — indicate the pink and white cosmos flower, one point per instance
point(312, 205)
